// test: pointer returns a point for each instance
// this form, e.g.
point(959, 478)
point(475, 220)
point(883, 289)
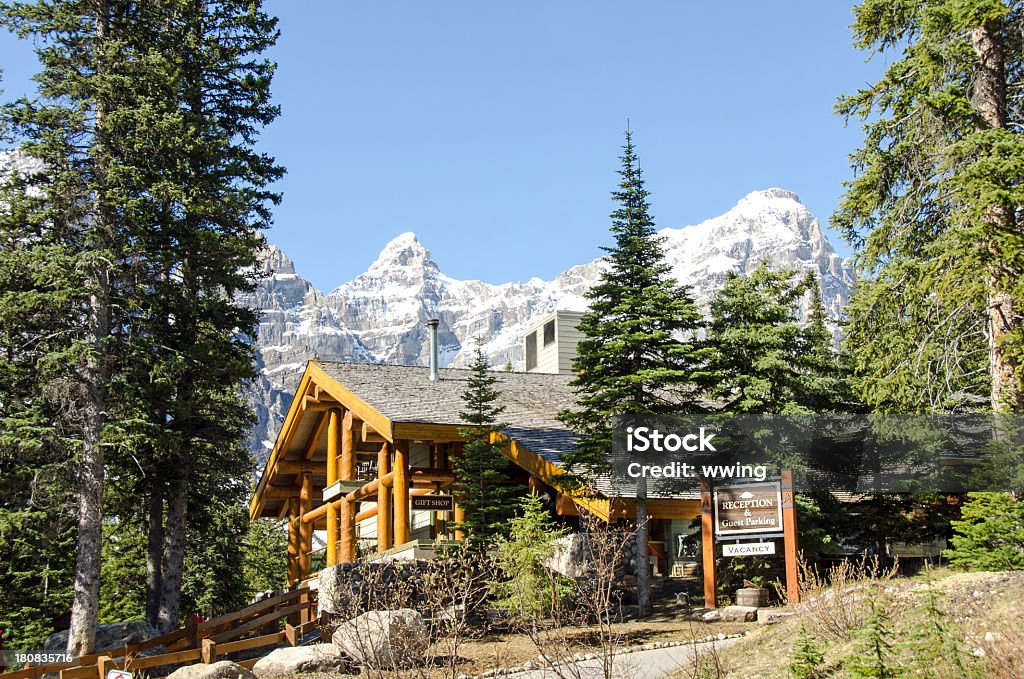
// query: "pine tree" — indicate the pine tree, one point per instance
point(990, 534)
point(530, 588)
point(637, 356)
point(875, 646)
point(806, 660)
point(934, 205)
point(760, 358)
point(481, 486)
point(101, 82)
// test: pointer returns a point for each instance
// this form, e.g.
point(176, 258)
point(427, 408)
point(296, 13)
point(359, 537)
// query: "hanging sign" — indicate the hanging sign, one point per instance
point(433, 503)
point(749, 549)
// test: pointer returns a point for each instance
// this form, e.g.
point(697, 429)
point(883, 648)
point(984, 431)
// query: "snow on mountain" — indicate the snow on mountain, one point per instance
point(380, 315)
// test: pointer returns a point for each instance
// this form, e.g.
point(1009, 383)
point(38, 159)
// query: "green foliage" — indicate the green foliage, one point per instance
point(529, 589)
point(806, 659)
point(874, 651)
point(631, 359)
point(990, 534)
point(123, 579)
point(933, 643)
point(266, 555)
point(480, 470)
point(934, 203)
point(760, 360)
point(215, 569)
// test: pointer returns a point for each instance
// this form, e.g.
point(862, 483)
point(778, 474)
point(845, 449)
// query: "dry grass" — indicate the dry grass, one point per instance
point(981, 612)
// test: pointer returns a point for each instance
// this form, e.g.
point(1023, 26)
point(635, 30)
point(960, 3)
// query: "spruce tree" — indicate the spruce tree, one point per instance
point(933, 208)
point(637, 355)
point(760, 359)
point(102, 81)
point(481, 487)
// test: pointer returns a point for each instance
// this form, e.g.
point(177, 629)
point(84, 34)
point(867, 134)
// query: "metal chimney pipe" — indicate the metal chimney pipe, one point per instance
point(432, 325)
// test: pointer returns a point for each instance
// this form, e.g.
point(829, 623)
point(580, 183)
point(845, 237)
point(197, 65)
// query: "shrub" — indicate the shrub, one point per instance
point(990, 534)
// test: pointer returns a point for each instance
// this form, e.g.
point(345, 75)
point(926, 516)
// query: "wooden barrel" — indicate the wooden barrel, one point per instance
point(752, 596)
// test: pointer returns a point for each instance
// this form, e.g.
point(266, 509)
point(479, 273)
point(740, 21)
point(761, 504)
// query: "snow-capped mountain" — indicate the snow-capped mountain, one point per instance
point(380, 315)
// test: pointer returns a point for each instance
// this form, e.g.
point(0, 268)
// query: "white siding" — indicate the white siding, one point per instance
point(557, 356)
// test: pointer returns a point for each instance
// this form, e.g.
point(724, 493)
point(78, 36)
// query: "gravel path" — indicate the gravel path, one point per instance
point(651, 664)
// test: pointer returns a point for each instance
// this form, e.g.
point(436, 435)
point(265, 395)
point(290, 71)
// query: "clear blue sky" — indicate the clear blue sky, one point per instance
point(492, 129)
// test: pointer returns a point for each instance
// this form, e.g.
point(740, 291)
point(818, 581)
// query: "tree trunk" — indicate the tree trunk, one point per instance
point(95, 375)
point(643, 558)
point(154, 554)
point(990, 100)
point(174, 555)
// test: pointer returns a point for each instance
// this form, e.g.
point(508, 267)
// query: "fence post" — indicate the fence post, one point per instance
point(209, 651)
point(192, 630)
point(103, 665)
point(290, 635)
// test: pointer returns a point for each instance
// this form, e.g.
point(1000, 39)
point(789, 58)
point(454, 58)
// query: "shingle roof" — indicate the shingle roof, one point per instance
point(404, 393)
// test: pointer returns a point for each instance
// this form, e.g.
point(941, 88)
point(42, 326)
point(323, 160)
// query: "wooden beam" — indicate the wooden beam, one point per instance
point(333, 431)
point(360, 408)
point(383, 500)
point(420, 431)
point(347, 472)
point(309, 449)
point(285, 467)
point(400, 492)
point(293, 540)
point(369, 434)
point(305, 529)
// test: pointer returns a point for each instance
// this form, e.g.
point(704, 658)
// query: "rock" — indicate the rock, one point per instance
point(225, 669)
point(289, 660)
point(571, 557)
point(382, 639)
point(739, 614)
point(991, 637)
point(108, 636)
point(714, 615)
point(770, 616)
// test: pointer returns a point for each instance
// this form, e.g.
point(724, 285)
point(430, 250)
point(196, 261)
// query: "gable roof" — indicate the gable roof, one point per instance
point(403, 393)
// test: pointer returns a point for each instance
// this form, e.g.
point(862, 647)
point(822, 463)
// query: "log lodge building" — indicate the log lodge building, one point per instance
point(361, 440)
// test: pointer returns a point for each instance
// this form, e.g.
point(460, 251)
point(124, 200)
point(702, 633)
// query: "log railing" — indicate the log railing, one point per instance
point(203, 642)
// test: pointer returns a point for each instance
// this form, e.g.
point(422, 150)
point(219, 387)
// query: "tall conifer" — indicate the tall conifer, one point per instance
point(637, 354)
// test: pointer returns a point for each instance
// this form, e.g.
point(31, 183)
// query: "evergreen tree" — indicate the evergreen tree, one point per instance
point(266, 554)
point(636, 356)
point(990, 534)
point(806, 660)
point(481, 486)
point(934, 205)
point(102, 81)
point(873, 658)
point(760, 358)
point(530, 588)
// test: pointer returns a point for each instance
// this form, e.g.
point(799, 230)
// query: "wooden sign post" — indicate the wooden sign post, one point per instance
point(789, 537)
point(707, 541)
point(765, 510)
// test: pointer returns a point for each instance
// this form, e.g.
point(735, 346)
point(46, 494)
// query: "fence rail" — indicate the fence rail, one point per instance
point(203, 642)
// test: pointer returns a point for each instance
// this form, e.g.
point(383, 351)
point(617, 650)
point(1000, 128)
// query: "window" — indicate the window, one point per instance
point(531, 351)
point(549, 332)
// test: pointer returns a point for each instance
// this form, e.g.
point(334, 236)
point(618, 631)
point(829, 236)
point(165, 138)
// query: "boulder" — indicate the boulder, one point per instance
point(111, 635)
point(289, 660)
point(713, 615)
point(571, 556)
point(225, 669)
point(383, 639)
point(770, 616)
point(739, 614)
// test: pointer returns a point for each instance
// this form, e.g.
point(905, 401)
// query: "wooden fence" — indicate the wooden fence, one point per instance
point(204, 641)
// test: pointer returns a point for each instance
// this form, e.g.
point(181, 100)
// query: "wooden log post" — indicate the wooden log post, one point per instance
point(789, 538)
point(400, 490)
point(209, 651)
point(707, 541)
point(293, 540)
point(458, 513)
point(333, 429)
point(103, 665)
point(383, 500)
point(305, 528)
point(347, 472)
